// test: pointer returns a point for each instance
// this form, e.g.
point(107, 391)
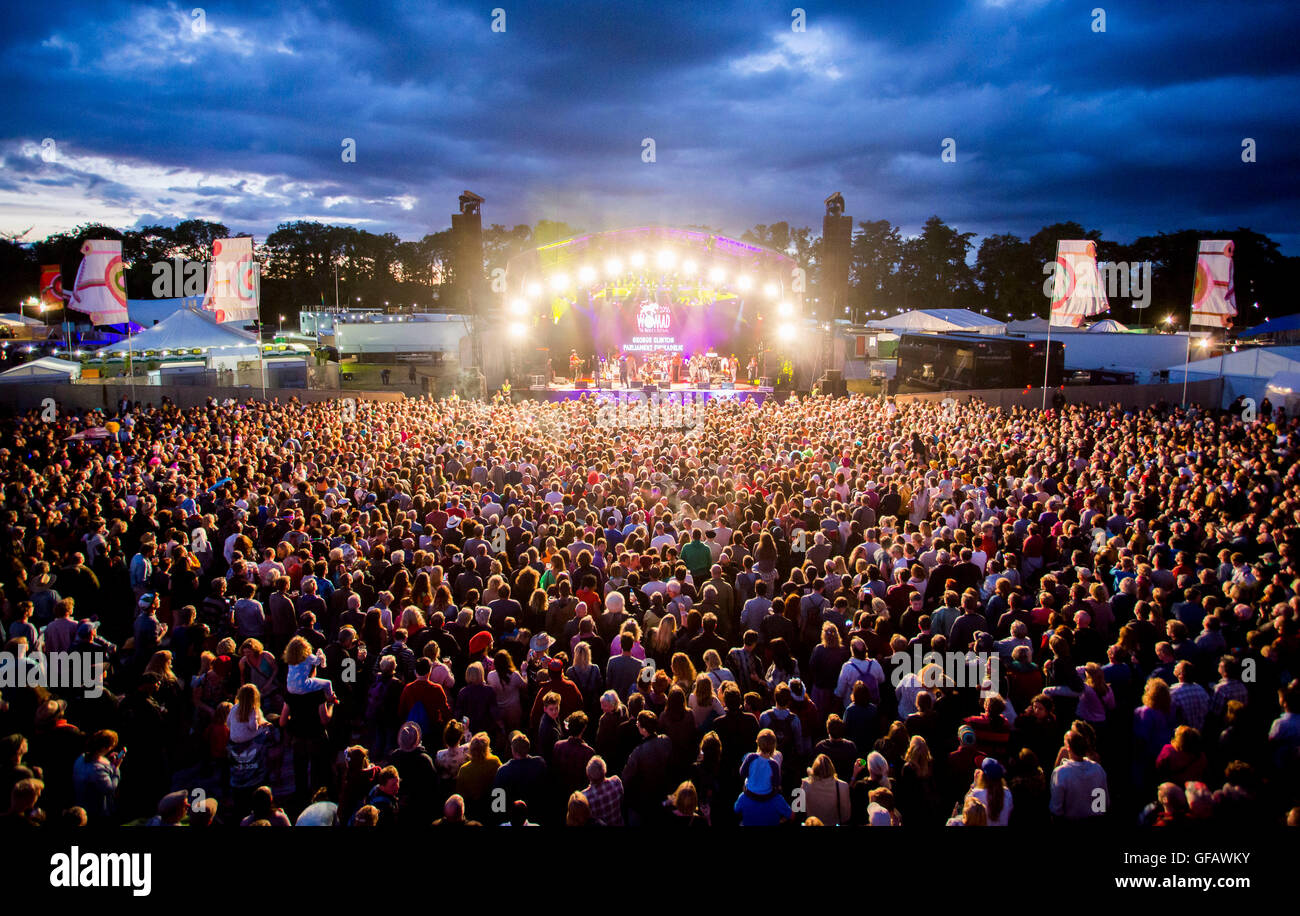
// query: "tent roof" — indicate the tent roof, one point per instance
point(148, 312)
point(14, 318)
point(186, 329)
point(44, 367)
point(1108, 326)
point(1256, 362)
point(940, 320)
point(1274, 326)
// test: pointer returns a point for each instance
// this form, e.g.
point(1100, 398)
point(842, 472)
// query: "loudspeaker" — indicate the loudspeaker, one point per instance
point(835, 387)
point(649, 386)
point(765, 382)
point(833, 375)
point(580, 384)
point(727, 385)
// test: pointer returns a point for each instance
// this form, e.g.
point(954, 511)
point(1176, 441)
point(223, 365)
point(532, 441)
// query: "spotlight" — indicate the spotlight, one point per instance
point(534, 290)
point(587, 275)
point(785, 310)
point(717, 275)
point(559, 282)
point(770, 290)
point(519, 307)
point(744, 281)
point(688, 267)
point(518, 329)
point(666, 259)
point(637, 259)
point(613, 267)
point(788, 331)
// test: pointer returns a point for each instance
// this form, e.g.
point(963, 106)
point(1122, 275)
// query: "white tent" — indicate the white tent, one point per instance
point(188, 329)
point(1108, 326)
point(1245, 373)
point(1283, 390)
point(941, 320)
point(46, 369)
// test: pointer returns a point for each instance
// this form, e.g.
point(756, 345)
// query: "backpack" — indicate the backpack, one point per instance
point(784, 730)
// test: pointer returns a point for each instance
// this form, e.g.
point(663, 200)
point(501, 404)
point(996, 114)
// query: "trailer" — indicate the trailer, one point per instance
point(965, 361)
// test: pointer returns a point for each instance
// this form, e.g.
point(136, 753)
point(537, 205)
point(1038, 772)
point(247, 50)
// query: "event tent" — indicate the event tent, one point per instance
point(940, 320)
point(46, 369)
point(187, 330)
point(1246, 373)
point(1108, 326)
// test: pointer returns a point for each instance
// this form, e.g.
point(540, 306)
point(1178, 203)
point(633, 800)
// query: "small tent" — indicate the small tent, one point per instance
point(47, 369)
point(1108, 326)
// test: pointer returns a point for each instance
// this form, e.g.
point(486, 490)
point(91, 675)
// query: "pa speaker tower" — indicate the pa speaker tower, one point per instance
point(837, 243)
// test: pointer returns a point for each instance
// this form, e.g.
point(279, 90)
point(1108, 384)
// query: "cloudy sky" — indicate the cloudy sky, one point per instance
point(137, 113)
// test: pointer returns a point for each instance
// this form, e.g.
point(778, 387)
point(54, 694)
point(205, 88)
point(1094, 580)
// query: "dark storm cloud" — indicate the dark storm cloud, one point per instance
point(1131, 131)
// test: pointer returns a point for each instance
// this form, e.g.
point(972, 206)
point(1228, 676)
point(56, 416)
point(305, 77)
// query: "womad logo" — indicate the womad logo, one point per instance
point(103, 869)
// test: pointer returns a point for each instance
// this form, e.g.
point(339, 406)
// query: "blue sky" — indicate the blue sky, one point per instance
point(1132, 130)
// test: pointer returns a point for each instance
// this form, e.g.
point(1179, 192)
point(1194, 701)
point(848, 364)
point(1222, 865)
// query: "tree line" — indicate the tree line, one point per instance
point(305, 264)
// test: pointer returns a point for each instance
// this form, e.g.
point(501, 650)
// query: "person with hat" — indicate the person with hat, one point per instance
point(147, 629)
point(990, 789)
point(570, 696)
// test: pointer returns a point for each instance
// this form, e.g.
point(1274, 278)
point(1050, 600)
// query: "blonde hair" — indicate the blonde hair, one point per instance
point(298, 651)
point(249, 700)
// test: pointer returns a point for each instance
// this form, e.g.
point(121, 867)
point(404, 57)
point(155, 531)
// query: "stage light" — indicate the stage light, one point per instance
point(613, 267)
point(744, 281)
point(785, 310)
point(717, 275)
point(788, 331)
point(587, 275)
point(688, 267)
point(770, 289)
point(637, 259)
point(559, 282)
point(666, 259)
point(519, 307)
point(534, 290)
point(518, 329)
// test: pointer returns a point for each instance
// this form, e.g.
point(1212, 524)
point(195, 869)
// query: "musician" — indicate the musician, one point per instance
point(753, 367)
point(622, 369)
point(575, 365)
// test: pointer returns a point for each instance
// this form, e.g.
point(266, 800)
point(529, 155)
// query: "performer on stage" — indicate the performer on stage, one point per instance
point(622, 369)
point(753, 368)
point(575, 366)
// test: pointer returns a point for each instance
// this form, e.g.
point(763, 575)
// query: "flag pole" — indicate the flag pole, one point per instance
point(1047, 357)
point(1187, 358)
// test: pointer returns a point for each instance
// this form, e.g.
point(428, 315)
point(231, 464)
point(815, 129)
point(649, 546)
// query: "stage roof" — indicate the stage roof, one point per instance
point(649, 255)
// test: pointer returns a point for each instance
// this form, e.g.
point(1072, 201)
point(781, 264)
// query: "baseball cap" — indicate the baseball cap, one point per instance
point(991, 768)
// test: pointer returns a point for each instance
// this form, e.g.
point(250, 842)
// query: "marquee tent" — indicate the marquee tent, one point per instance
point(1245, 373)
point(46, 369)
point(188, 329)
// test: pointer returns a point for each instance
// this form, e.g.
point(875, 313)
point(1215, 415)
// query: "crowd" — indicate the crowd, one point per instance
point(820, 611)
